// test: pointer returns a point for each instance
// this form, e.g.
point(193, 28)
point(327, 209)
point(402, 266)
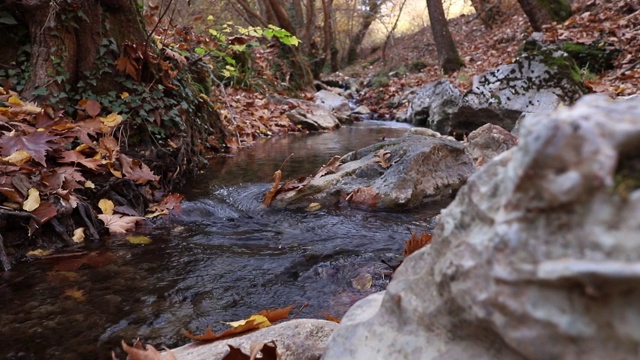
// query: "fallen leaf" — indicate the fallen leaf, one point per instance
point(381, 157)
point(274, 315)
point(18, 158)
point(269, 351)
point(36, 144)
point(313, 207)
point(106, 206)
point(119, 224)
point(77, 157)
point(362, 282)
point(416, 242)
point(96, 260)
point(33, 200)
point(209, 335)
point(235, 354)
point(268, 198)
point(39, 253)
point(364, 197)
point(78, 235)
point(136, 170)
point(331, 318)
point(112, 120)
point(330, 167)
point(91, 106)
point(145, 352)
point(76, 294)
point(45, 212)
point(260, 321)
point(139, 239)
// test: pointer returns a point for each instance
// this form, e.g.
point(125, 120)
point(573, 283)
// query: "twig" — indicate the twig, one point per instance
point(233, 118)
point(6, 263)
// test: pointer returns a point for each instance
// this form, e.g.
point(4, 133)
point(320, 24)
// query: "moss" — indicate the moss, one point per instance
point(417, 66)
point(595, 57)
point(380, 80)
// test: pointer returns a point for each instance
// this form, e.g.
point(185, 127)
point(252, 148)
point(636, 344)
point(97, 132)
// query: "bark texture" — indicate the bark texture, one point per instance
point(448, 56)
point(542, 12)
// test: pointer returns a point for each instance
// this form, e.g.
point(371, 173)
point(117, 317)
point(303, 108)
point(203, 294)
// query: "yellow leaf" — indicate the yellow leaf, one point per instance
point(18, 158)
point(313, 207)
point(259, 320)
point(139, 240)
point(106, 206)
point(13, 100)
point(124, 95)
point(39, 253)
point(81, 147)
point(157, 213)
point(90, 185)
point(33, 200)
point(75, 293)
point(78, 235)
point(112, 120)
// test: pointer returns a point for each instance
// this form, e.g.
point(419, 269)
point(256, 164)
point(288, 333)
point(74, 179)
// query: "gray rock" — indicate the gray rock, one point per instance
point(538, 257)
point(313, 117)
point(433, 103)
point(489, 141)
point(362, 110)
point(534, 83)
point(339, 104)
point(421, 169)
point(303, 339)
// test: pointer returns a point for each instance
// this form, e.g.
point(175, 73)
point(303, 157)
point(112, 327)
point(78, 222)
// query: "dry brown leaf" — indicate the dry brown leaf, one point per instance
point(235, 354)
point(416, 242)
point(269, 351)
point(268, 198)
point(330, 167)
point(209, 335)
point(136, 170)
point(119, 224)
point(381, 157)
point(274, 315)
point(331, 318)
point(364, 197)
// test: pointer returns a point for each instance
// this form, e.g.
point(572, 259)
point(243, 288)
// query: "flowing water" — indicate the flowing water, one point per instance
point(223, 258)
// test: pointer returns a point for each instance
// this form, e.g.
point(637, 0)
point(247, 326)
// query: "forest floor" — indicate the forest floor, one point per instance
point(616, 23)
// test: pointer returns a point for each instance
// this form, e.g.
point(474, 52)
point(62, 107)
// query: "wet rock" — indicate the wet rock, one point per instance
point(339, 104)
point(303, 339)
point(362, 110)
point(489, 141)
point(313, 117)
point(538, 257)
point(417, 170)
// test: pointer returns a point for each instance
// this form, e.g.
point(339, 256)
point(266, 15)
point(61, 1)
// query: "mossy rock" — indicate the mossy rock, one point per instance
point(595, 57)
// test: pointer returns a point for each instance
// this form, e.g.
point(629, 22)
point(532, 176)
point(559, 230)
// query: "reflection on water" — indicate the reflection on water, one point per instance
point(223, 258)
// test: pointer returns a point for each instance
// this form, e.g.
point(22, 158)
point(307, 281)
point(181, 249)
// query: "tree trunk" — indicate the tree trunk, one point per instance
point(372, 11)
point(329, 46)
point(448, 56)
point(65, 44)
point(543, 12)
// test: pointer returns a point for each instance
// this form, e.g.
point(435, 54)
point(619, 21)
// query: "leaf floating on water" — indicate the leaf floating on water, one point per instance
point(362, 282)
point(313, 207)
point(268, 198)
point(381, 157)
point(139, 240)
point(416, 243)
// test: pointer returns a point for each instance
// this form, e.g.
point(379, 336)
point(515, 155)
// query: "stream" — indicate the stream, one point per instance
point(223, 258)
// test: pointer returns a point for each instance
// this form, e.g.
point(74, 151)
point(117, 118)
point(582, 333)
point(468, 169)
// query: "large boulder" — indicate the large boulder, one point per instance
point(338, 103)
point(303, 339)
point(538, 257)
point(313, 117)
point(537, 82)
point(401, 173)
point(487, 142)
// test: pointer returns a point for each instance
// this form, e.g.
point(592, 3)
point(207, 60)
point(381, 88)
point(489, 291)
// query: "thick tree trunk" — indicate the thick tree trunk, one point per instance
point(65, 44)
point(373, 9)
point(543, 12)
point(330, 51)
point(448, 56)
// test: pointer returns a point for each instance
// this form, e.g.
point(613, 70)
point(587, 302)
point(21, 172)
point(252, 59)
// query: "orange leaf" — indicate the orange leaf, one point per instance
point(211, 336)
point(365, 197)
point(268, 198)
point(274, 315)
point(416, 242)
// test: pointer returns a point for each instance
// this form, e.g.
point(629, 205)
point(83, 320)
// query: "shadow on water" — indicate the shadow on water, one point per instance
point(223, 258)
